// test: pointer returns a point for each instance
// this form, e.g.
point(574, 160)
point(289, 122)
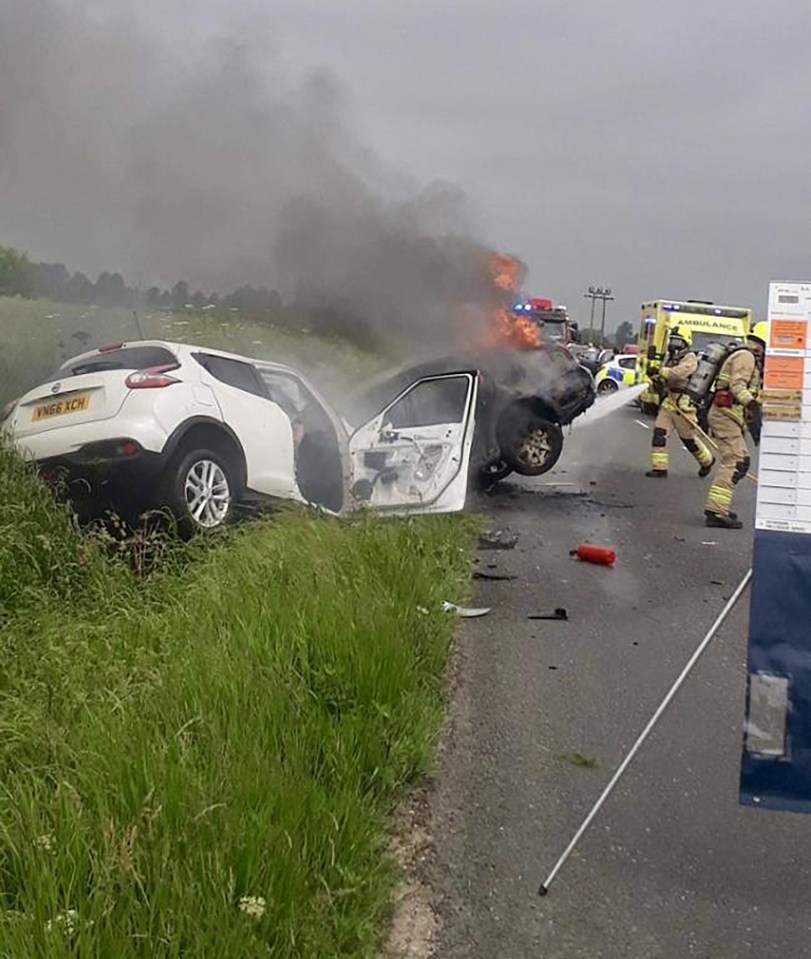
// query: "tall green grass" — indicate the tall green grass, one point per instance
point(36, 335)
point(202, 763)
point(29, 344)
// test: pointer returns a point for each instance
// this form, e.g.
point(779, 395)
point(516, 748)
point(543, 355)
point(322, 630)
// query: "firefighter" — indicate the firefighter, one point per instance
point(735, 406)
point(676, 410)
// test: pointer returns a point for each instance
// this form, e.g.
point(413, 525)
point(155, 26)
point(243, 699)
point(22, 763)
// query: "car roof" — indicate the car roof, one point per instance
point(188, 348)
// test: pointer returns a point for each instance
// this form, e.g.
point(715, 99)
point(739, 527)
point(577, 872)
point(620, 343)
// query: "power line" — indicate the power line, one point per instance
point(598, 293)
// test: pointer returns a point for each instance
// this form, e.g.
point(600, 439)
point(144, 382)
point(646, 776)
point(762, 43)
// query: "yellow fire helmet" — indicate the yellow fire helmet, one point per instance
point(760, 332)
point(682, 333)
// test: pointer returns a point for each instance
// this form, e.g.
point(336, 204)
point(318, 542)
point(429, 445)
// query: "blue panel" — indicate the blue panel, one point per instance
point(780, 648)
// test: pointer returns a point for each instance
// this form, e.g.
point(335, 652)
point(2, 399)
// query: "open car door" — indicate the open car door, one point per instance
point(414, 455)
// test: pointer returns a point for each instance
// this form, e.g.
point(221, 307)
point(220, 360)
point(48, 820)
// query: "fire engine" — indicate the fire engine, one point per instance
point(553, 321)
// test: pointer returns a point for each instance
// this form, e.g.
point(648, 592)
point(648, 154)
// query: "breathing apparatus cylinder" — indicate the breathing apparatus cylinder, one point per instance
point(710, 360)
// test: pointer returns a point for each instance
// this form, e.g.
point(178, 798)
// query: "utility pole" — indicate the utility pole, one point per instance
point(598, 293)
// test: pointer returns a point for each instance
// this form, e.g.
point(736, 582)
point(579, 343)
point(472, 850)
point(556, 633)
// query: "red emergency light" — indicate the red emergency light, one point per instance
point(537, 303)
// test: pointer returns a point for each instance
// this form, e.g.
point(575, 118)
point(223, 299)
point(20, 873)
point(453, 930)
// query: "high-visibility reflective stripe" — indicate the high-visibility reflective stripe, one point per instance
point(704, 456)
point(658, 459)
point(719, 499)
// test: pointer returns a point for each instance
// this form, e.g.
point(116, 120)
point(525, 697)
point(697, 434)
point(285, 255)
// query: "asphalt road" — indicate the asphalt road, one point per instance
point(673, 866)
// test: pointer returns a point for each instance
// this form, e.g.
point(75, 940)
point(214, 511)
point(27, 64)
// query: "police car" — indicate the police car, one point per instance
point(617, 374)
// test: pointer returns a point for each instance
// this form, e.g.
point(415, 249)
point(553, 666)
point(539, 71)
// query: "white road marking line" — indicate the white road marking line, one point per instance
point(643, 425)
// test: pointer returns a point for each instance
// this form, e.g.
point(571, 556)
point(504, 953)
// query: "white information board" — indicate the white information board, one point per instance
point(784, 474)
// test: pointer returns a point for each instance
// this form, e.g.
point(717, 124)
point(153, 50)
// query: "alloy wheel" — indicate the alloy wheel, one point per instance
point(207, 493)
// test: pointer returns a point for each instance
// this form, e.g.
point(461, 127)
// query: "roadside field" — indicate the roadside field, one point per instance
point(202, 761)
point(36, 335)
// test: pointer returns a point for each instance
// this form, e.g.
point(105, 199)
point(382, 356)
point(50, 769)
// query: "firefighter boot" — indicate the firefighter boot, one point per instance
point(719, 521)
point(706, 470)
point(657, 474)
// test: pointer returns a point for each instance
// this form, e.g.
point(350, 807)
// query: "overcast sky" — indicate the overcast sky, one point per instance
point(659, 148)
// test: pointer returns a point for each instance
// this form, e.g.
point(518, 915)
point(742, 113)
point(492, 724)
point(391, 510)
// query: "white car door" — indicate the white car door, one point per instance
point(414, 455)
point(262, 426)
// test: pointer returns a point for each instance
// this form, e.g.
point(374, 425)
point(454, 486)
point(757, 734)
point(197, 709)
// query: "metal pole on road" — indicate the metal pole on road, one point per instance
point(750, 475)
point(733, 599)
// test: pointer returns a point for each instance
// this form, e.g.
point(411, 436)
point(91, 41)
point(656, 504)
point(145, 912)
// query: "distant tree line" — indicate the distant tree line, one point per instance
point(19, 276)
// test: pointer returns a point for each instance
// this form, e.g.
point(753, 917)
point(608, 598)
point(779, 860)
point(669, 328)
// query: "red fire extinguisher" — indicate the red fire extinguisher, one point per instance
point(589, 553)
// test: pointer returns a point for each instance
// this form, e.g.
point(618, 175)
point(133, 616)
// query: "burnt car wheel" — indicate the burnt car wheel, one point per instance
point(535, 446)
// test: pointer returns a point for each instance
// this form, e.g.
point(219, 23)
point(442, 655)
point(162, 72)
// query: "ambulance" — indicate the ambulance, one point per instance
point(708, 322)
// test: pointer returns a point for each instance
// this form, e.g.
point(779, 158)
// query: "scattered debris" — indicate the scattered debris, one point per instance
point(710, 543)
point(478, 574)
point(559, 613)
point(589, 553)
point(551, 667)
point(716, 582)
point(498, 539)
point(680, 539)
point(578, 759)
point(466, 612)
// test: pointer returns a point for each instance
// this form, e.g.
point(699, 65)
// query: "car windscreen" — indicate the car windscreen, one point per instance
point(127, 358)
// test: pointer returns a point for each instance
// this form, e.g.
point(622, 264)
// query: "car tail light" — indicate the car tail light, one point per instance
point(151, 378)
point(129, 448)
point(110, 347)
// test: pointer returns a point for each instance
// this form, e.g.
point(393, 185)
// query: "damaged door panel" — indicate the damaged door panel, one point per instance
point(414, 455)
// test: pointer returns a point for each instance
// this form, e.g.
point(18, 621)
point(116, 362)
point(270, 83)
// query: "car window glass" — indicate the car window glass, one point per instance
point(628, 363)
point(129, 358)
point(242, 376)
point(285, 390)
point(430, 403)
point(293, 396)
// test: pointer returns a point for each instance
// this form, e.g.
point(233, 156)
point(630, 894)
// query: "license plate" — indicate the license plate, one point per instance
point(70, 404)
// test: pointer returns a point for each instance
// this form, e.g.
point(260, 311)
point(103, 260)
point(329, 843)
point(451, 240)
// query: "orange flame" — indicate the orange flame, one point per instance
point(508, 329)
point(505, 271)
point(518, 332)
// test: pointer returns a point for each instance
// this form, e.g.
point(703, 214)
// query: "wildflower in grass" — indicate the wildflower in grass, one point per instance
point(253, 906)
point(46, 842)
point(66, 921)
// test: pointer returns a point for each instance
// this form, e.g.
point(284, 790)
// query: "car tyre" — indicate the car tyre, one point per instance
point(535, 445)
point(607, 386)
point(201, 491)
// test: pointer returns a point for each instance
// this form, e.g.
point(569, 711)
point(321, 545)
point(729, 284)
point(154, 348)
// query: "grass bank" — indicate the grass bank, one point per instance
point(202, 763)
point(36, 335)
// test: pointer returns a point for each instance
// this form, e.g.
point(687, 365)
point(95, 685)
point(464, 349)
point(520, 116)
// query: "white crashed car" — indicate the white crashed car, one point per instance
point(154, 424)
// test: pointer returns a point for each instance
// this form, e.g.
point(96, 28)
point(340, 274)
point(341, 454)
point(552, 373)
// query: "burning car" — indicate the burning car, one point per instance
point(525, 397)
